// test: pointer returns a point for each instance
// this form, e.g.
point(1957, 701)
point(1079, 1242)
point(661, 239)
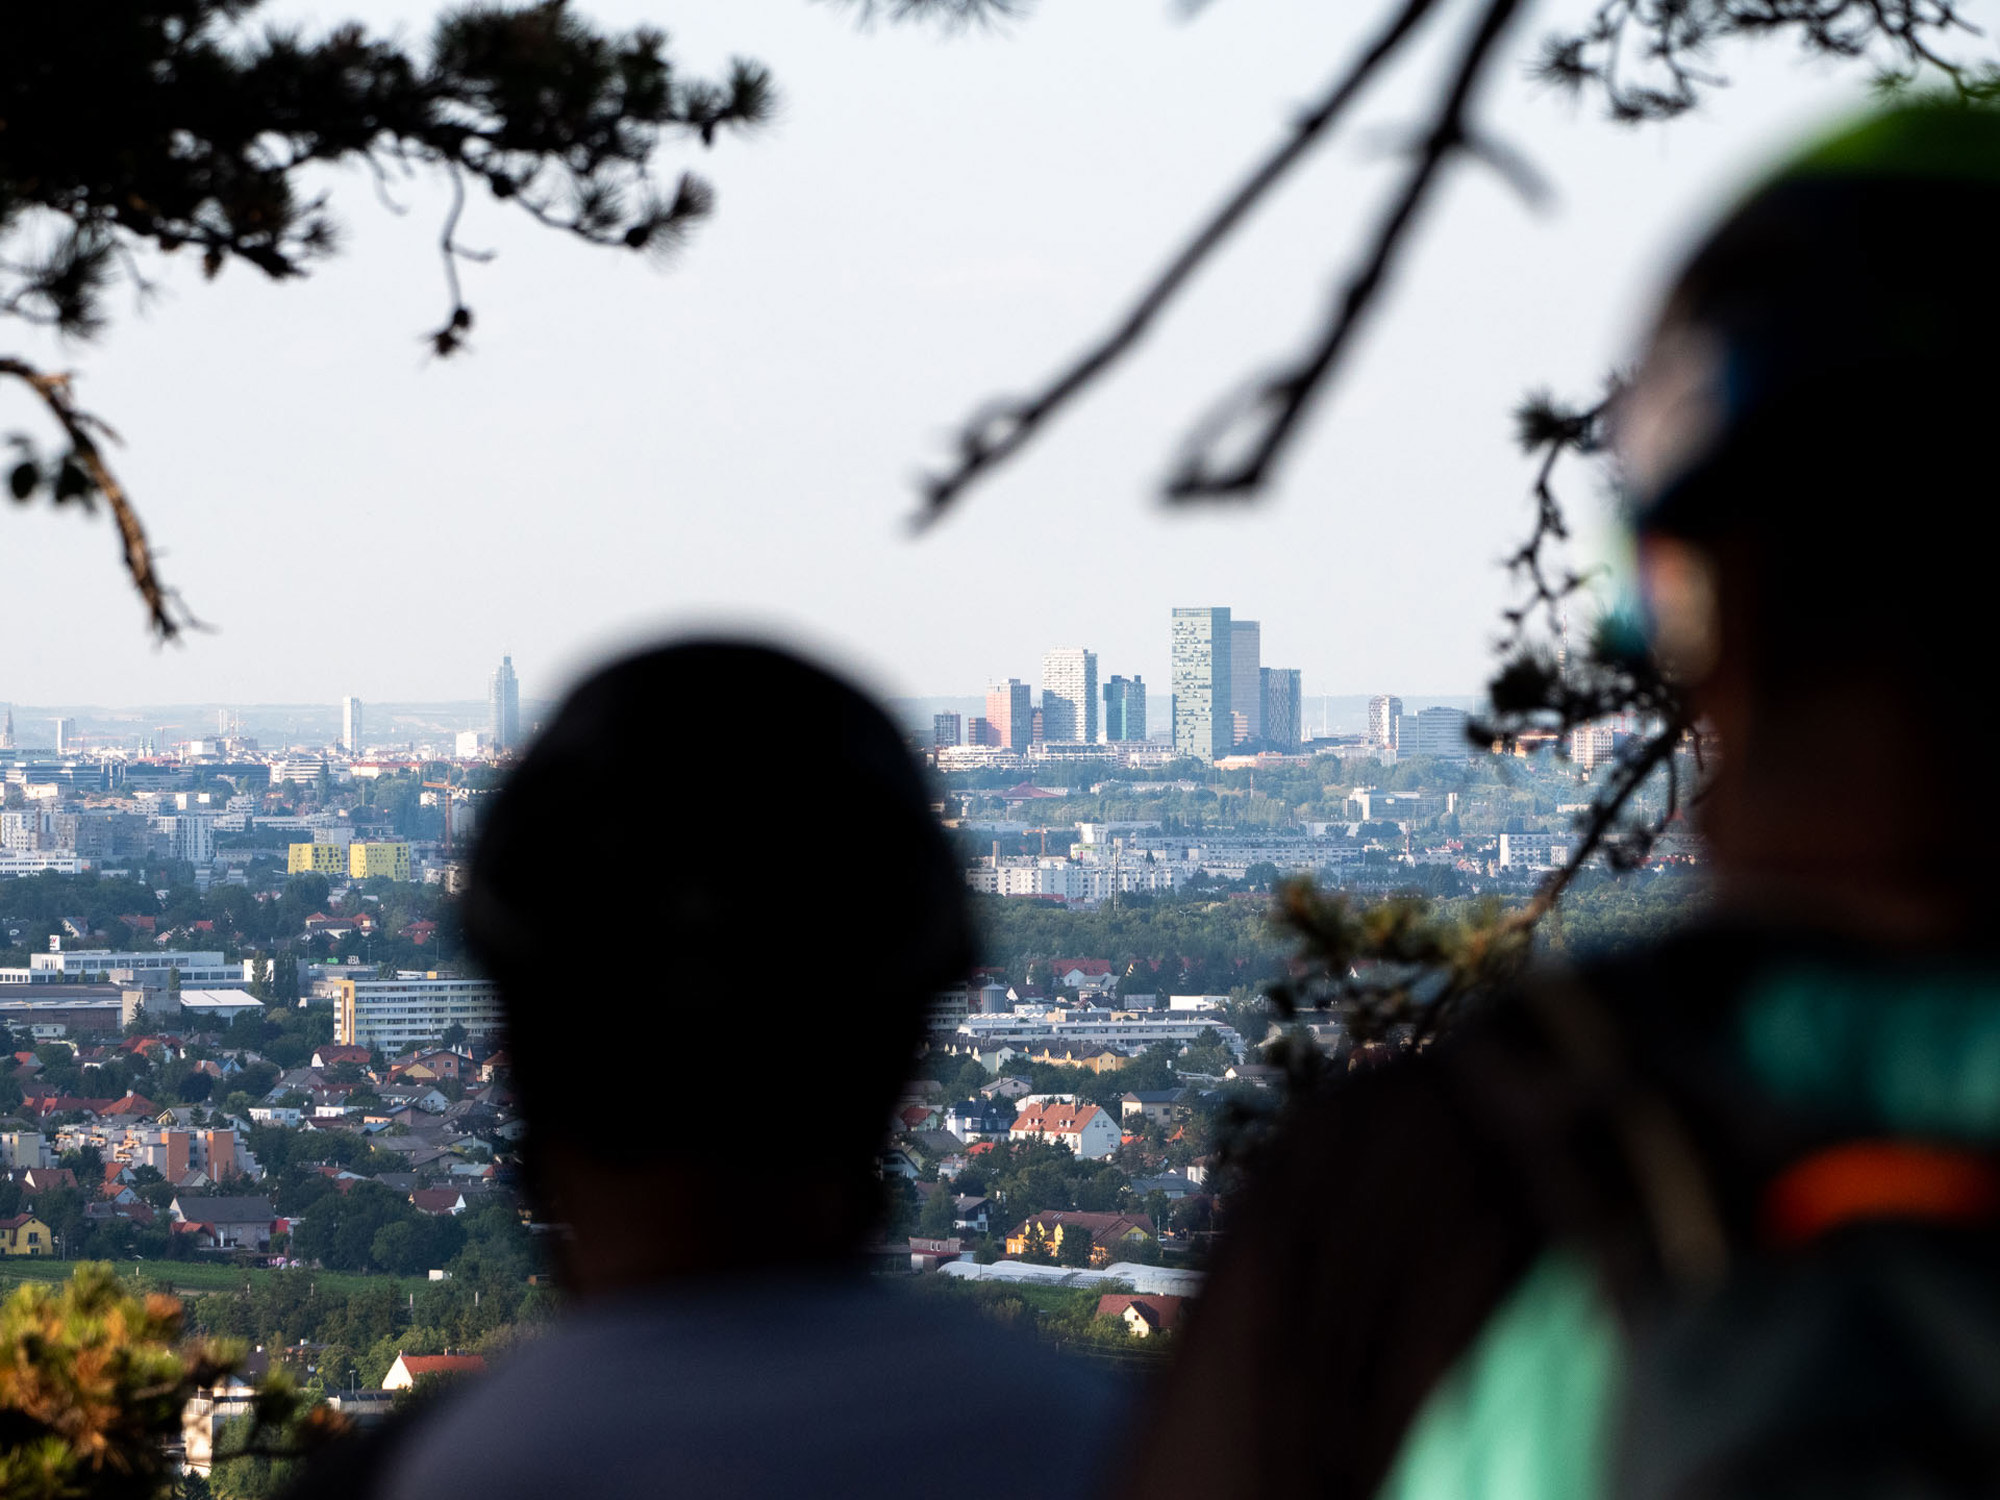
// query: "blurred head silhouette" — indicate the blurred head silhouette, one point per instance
point(652, 893)
point(1803, 442)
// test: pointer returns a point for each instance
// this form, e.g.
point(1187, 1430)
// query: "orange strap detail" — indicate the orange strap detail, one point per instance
point(1878, 1180)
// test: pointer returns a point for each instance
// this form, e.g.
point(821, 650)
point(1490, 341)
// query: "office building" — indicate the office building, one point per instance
point(1202, 654)
point(1069, 696)
point(330, 860)
point(1441, 733)
point(980, 732)
point(1011, 713)
point(1385, 717)
point(503, 708)
point(367, 861)
point(396, 1014)
point(946, 731)
point(66, 737)
point(1246, 691)
point(1283, 706)
point(350, 725)
point(75, 965)
point(1125, 709)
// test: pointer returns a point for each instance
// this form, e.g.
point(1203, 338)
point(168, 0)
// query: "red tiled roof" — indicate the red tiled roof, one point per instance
point(1054, 1119)
point(1162, 1312)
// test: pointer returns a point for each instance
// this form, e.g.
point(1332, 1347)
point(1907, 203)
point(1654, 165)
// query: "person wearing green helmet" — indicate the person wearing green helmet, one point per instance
point(1717, 1218)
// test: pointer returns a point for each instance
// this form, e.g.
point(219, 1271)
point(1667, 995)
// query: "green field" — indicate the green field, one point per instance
point(194, 1276)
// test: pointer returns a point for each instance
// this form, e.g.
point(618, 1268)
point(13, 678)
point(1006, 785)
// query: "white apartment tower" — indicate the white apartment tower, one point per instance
point(350, 724)
point(1069, 695)
point(1385, 719)
point(503, 707)
point(1202, 651)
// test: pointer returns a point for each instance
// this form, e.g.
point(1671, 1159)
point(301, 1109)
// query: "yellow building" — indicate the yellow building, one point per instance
point(24, 1234)
point(317, 859)
point(365, 861)
point(1097, 1059)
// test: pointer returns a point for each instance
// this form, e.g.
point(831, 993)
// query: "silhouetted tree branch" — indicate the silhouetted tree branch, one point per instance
point(81, 475)
point(1646, 58)
point(994, 435)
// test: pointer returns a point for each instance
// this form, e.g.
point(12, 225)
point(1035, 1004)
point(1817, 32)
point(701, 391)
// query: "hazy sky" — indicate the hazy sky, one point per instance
point(629, 450)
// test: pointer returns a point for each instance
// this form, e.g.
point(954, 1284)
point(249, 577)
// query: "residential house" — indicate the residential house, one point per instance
point(418, 1095)
point(438, 1200)
point(929, 1254)
point(333, 1054)
point(24, 1234)
point(973, 1214)
point(1112, 1236)
point(979, 1119)
point(410, 1368)
point(1171, 1185)
point(1158, 1106)
point(1142, 1315)
point(1072, 972)
point(941, 1147)
point(213, 1405)
point(224, 1223)
point(1064, 1055)
point(1263, 1075)
point(37, 1180)
point(1084, 1129)
point(1008, 1088)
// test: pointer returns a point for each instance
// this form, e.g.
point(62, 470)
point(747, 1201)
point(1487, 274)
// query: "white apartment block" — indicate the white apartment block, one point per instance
point(1069, 880)
point(1532, 851)
point(1129, 1031)
point(395, 1014)
point(190, 836)
point(1069, 696)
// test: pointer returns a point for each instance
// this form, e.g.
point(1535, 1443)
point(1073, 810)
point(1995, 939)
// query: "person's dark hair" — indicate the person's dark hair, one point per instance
point(717, 859)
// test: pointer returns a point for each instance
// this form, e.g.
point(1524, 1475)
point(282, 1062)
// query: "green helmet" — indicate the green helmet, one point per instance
point(1841, 327)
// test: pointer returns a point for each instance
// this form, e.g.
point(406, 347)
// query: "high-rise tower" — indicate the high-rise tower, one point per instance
point(1282, 707)
point(1010, 712)
point(1125, 709)
point(350, 724)
point(1202, 650)
point(1069, 695)
point(1246, 660)
point(1385, 719)
point(503, 707)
